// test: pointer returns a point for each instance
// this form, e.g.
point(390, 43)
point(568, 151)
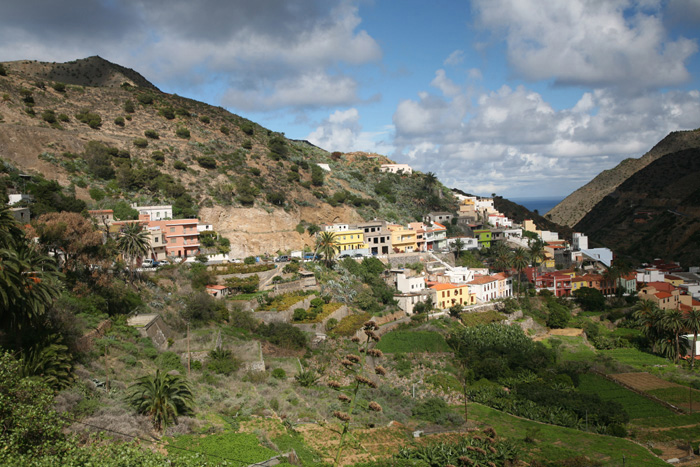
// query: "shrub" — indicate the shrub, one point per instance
point(276, 197)
point(207, 162)
point(89, 118)
point(247, 128)
point(96, 194)
point(153, 134)
point(168, 361)
point(279, 373)
point(204, 119)
point(59, 87)
point(222, 362)
point(432, 409)
point(247, 144)
point(182, 132)
point(224, 129)
point(119, 121)
point(3, 72)
point(49, 116)
point(129, 107)
point(167, 112)
point(182, 112)
point(158, 156)
point(140, 142)
point(316, 175)
point(179, 165)
point(255, 171)
point(145, 98)
point(27, 96)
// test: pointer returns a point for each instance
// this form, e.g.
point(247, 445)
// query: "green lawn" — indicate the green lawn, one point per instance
point(413, 341)
point(635, 405)
point(557, 443)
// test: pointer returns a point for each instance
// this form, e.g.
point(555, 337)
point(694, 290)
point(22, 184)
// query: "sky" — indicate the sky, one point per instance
point(522, 98)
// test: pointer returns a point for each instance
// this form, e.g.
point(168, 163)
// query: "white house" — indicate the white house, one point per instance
point(336, 227)
point(469, 243)
point(485, 204)
point(548, 236)
point(396, 168)
point(460, 275)
point(648, 275)
point(406, 284)
point(604, 255)
point(579, 241)
point(156, 213)
point(499, 220)
point(15, 198)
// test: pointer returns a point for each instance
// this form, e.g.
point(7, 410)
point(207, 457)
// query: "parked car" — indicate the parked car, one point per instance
point(163, 262)
point(282, 259)
point(148, 263)
point(358, 255)
point(343, 256)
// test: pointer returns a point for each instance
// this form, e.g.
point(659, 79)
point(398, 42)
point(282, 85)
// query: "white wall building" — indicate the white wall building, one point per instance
point(405, 284)
point(579, 241)
point(604, 255)
point(396, 168)
point(485, 203)
point(336, 227)
point(469, 243)
point(157, 213)
point(548, 236)
point(647, 275)
point(460, 275)
point(15, 198)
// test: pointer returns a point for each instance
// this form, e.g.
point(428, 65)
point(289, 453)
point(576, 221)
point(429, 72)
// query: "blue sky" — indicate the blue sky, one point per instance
point(523, 98)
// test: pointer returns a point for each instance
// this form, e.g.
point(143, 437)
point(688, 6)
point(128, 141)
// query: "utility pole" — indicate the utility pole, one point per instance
point(106, 370)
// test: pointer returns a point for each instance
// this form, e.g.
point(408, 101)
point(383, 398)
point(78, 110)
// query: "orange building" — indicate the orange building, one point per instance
point(448, 294)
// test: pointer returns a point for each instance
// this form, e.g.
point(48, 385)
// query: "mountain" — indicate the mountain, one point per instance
point(108, 135)
point(575, 206)
point(655, 213)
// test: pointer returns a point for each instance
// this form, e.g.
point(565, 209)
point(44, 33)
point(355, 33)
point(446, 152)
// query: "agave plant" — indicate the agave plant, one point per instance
point(48, 361)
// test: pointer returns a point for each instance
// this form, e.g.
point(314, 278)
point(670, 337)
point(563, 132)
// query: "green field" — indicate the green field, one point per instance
point(555, 443)
point(413, 341)
point(236, 448)
point(635, 358)
point(635, 405)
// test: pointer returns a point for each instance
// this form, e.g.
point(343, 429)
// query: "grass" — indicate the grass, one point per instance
point(573, 348)
point(554, 443)
point(238, 448)
point(635, 358)
point(635, 405)
point(678, 396)
point(413, 341)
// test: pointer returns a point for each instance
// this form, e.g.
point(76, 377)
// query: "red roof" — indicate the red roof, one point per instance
point(217, 287)
point(662, 295)
point(483, 280)
point(662, 286)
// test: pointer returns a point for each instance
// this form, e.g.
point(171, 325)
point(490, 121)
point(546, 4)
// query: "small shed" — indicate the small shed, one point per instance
point(218, 291)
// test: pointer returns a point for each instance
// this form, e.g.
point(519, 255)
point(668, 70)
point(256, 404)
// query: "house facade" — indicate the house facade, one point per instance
point(181, 236)
point(446, 295)
point(376, 236)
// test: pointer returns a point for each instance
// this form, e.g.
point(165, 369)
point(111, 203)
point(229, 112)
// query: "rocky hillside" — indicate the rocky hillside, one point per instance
point(655, 213)
point(108, 135)
point(579, 203)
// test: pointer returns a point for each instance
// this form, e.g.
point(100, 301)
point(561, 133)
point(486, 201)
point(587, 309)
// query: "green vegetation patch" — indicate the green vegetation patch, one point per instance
point(679, 396)
point(282, 302)
point(413, 341)
point(350, 324)
point(635, 358)
point(238, 448)
point(473, 319)
point(635, 405)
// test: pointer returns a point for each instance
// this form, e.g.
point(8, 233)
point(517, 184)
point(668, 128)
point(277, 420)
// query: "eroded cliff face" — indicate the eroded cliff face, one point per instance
point(254, 231)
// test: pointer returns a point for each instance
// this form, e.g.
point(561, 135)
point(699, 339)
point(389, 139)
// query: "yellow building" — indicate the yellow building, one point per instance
point(448, 294)
point(350, 239)
point(403, 240)
point(530, 226)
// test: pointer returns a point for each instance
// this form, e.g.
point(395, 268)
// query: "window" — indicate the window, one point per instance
point(172, 229)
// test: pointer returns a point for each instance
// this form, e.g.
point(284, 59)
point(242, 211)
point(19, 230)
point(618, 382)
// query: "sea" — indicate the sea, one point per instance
point(542, 205)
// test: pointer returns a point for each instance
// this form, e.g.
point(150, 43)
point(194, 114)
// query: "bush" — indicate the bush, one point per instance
point(140, 142)
point(224, 129)
point(168, 361)
point(3, 72)
point(158, 156)
point(129, 107)
point(276, 197)
point(183, 132)
point(207, 162)
point(279, 373)
point(63, 118)
point(89, 118)
point(432, 410)
point(153, 134)
point(179, 165)
point(222, 362)
point(119, 121)
point(204, 119)
point(59, 87)
point(49, 116)
point(167, 112)
point(316, 175)
point(145, 98)
point(247, 144)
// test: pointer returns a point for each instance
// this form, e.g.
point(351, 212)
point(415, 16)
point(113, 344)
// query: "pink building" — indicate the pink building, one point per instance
point(180, 235)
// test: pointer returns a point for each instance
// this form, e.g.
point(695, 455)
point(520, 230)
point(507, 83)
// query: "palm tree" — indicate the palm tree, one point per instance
point(692, 323)
point(431, 183)
point(327, 245)
point(458, 245)
point(133, 242)
point(519, 262)
point(649, 317)
point(536, 252)
point(163, 397)
point(674, 322)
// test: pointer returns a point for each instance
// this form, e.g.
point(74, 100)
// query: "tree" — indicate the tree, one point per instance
point(458, 245)
point(589, 299)
point(649, 318)
point(692, 323)
point(456, 310)
point(536, 252)
point(316, 175)
point(132, 243)
point(70, 235)
point(327, 245)
point(519, 262)
point(163, 397)
point(48, 361)
point(674, 322)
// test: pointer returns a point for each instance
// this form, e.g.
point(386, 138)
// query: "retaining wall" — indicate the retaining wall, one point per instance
point(86, 342)
point(338, 314)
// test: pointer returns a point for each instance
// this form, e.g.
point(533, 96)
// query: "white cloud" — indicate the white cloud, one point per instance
point(512, 140)
point(455, 58)
point(342, 131)
point(266, 53)
point(619, 43)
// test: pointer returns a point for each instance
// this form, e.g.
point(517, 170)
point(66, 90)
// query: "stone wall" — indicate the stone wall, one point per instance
point(307, 283)
point(158, 331)
point(283, 316)
point(338, 314)
point(86, 342)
